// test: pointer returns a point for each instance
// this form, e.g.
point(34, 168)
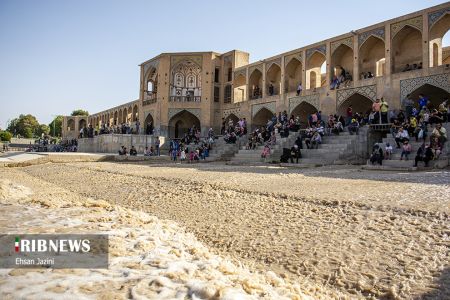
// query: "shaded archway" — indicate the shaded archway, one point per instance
point(360, 104)
point(255, 84)
point(82, 123)
point(437, 41)
point(180, 123)
point(70, 125)
point(434, 94)
point(261, 118)
point(119, 118)
point(149, 124)
point(124, 115)
point(116, 118)
point(273, 77)
point(303, 110)
point(239, 88)
point(406, 48)
point(293, 75)
point(342, 58)
point(372, 52)
point(135, 115)
point(314, 69)
point(232, 117)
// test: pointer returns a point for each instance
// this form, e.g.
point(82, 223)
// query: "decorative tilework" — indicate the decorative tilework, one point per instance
point(377, 32)
point(321, 49)
point(347, 41)
point(312, 99)
point(174, 111)
point(175, 59)
point(289, 57)
point(240, 72)
point(433, 17)
point(408, 86)
point(369, 91)
point(414, 22)
point(235, 111)
point(257, 107)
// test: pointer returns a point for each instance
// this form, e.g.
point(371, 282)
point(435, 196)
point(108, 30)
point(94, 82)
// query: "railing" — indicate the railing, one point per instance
point(381, 127)
point(185, 98)
point(149, 98)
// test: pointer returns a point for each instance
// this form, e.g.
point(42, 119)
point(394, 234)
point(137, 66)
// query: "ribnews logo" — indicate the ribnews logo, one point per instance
point(54, 251)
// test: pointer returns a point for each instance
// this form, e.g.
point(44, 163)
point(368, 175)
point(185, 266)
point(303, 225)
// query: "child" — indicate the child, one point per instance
point(266, 151)
point(183, 155)
point(388, 151)
point(406, 150)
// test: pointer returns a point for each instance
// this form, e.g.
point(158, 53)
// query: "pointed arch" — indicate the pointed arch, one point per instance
point(135, 115)
point(240, 88)
point(342, 59)
point(359, 103)
point(70, 125)
point(406, 48)
point(293, 74)
point(149, 124)
point(314, 69)
point(436, 43)
point(261, 117)
point(255, 84)
point(435, 94)
point(303, 110)
point(371, 52)
point(181, 123)
point(232, 117)
point(273, 77)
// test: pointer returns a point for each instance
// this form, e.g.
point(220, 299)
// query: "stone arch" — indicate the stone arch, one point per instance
point(261, 117)
point(314, 65)
point(116, 118)
point(240, 88)
point(303, 110)
point(232, 117)
point(124, 115)
point(181, 122)
point(437, 32)
point(371, 53)
point(135, 115)
point(359, 103)
point(255, 84)
point(436, 95)
point(70, 125)
point(406, 48)
point(149, 124)
point(293, 75)
point(273, 76)
point(342, 58)
point(82, 123)
point(120, 117)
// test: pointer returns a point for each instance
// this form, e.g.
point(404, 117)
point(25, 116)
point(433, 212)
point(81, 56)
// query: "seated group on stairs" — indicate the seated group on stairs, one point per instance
point(191, 148)
point(232, 131)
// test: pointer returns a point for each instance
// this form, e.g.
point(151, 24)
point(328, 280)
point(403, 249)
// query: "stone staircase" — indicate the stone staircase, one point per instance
point(223, 151)
point(408, 165)
point(332, 150)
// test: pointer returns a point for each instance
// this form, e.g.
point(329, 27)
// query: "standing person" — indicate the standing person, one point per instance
point(299, 89)
point(384, 111)
point(157, 143)
point(349, 115)
point(376, 106)
point(423, 101)
point(138, 125)
point(408, 105)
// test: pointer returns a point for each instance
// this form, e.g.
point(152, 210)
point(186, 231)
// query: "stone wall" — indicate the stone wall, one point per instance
point(111, 143)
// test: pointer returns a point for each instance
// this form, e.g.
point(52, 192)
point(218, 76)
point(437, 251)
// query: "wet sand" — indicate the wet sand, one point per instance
point(335, 232)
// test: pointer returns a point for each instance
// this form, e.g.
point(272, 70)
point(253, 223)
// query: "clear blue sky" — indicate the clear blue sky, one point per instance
point(57, 56)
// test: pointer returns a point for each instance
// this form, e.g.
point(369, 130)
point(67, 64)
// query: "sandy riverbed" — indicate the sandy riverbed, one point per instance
point(328, 233)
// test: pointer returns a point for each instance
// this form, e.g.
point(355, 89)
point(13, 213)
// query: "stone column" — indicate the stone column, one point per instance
point(355, 59)
point(425, 42)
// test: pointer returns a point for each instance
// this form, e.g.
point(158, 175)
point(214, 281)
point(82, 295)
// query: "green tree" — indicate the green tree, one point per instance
point(25, 125)
point(42, 129)
point(5, 136)
point(80, 112)
point(56, 126)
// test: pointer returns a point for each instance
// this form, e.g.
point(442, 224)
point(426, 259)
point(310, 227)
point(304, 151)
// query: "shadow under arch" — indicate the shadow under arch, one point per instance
point(181, 123)
point(436, 95)
point(303, 110)
point(360, 104)
point(261, 118)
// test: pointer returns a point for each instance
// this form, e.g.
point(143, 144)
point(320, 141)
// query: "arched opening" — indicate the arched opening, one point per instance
point(149, 124)
point(239, 88)
point(261, 118)
point(273, 77)
point(70, 125)
point(371, 57)
point(228, 69)
point(124, 116)
point(181, 123)
point(293, 75)
point(152, 84)
point(232, 117)
point(439, 41)
point(342, 60)
point(116, 118)
point(186, 82)
point(135, 115)
point(406, 49)
point(81, 123)
point(315, 66)
point(360, 104)
point(434, 94)
point(255, 84)
point(303, 110)
point(120, 118)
